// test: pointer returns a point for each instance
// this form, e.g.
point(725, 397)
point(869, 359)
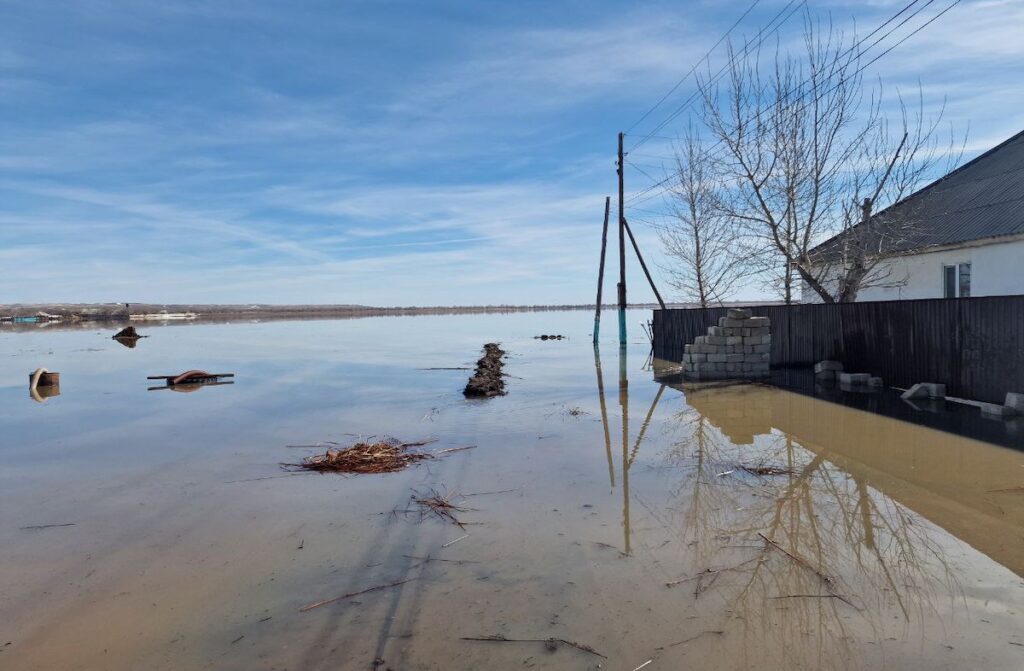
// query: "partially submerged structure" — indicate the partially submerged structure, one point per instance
point(960, 236)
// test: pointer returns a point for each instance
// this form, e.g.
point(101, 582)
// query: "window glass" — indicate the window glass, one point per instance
point(949, 276)
point(965, 280)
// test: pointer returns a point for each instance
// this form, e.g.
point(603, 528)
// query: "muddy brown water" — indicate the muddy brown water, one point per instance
point(897, 546)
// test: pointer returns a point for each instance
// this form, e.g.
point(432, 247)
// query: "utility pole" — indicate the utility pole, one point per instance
point(600, 271)
point(622, 249)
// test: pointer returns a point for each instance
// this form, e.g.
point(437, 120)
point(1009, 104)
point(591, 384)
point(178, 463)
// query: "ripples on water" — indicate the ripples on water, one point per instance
point(622, 520)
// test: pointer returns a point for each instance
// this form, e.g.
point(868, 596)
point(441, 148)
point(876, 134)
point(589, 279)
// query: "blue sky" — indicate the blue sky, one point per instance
point(375, 151)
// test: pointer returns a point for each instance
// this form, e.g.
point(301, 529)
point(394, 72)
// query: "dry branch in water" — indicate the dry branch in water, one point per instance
point(317, 604)
point(440, 505)
point(550, 642)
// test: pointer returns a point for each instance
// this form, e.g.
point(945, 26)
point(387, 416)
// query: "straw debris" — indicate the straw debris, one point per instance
point(386, 456)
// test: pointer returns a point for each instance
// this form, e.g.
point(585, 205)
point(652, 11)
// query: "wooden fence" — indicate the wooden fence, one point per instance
point(975, 346)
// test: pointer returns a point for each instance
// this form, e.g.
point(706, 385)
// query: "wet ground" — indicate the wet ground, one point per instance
point(874, 543)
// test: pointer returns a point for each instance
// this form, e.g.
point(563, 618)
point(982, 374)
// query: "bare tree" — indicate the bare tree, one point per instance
point(807, 155)
point(704, 245)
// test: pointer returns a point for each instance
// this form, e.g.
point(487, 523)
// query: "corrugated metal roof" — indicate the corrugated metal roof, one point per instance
point(980, 199)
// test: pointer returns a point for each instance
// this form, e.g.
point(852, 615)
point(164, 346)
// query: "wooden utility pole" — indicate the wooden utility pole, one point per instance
point(600, 270)
point(622, 248)
point(643, 265)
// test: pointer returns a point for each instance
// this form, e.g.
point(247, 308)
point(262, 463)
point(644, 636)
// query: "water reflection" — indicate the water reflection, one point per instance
point(833, 539)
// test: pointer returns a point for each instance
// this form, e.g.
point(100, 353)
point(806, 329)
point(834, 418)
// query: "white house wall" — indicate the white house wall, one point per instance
point(996, 270)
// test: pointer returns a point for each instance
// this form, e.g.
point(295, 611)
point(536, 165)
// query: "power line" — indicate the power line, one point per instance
point(695, 66)
point(760, 38)
point(640, 197)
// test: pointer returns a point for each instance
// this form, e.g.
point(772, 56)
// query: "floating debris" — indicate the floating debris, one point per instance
point(550, 643)
point(433, 502)
point(767, 470)
point(549, 337)
point(386, 456)
point(487, 379)
point(128, 337)
point(190, 380)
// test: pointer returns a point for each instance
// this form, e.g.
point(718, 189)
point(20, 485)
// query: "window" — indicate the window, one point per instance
point(956, 280)
point(965, 280)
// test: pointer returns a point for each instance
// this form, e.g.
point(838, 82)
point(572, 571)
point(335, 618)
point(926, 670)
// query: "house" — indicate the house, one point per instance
point(966, 239)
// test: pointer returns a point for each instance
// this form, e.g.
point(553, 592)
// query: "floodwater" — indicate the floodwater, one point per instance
point(879, 544)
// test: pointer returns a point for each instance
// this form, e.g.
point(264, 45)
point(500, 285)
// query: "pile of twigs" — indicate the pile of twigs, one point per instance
point(386, 456)
point(487, 380)
point(767, 470)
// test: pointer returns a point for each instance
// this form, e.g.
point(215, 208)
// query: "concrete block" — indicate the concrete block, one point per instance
point(875, 382)
point(734, 323)
point(996, 410)
point(753, 340)
point(687, 347)
point(762, 349)
point(854, 378)
point(698, 358)
point(715, 340)
point(734, 368)
point(735, 358)
point(738, 313)
point(825, 375)
point(759, 322)
point(734, 340)
point(717, 358)
point(925, 390)
point(686, 358)
point(1015, 402)
point(700, 340)
point(822, 366)
point(760, 332)
point(744, 332)
point(716, 330)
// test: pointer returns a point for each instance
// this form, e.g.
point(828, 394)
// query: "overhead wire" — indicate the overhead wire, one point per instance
point(640, 196)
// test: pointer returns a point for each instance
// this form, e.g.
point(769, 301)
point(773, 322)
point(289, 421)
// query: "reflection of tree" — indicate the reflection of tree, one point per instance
point(846, 555)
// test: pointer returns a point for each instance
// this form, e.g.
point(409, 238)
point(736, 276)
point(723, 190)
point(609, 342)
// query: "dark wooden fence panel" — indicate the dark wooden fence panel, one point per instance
point(975, 346)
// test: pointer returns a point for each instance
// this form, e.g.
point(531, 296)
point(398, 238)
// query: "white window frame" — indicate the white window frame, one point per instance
point(956, 277)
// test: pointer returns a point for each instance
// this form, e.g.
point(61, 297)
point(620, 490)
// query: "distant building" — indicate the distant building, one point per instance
point(967, 238)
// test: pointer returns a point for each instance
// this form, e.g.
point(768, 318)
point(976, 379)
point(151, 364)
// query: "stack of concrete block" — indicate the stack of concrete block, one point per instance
point(739, 347)
point(833, 370)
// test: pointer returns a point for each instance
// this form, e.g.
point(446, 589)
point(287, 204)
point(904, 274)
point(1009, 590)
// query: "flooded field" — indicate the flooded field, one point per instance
point(739, 527)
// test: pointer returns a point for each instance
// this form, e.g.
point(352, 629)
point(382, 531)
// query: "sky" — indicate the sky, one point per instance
point(386, 152)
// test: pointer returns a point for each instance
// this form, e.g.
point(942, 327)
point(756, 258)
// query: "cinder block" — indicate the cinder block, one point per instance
point(698, 358)
point(854, 378)
point(925, 390)
point(700, 340)
point(734, 340)
point(762, 349)
point(822, 366)
point(715, 340)
point(758, 322)
point(996, 410)
point(734, 368)
point(760, 332)
point(734, 323)
point(717, 358)
point(735, 358)
point(744, 332)
point(716, 330)
point(738, 313)
point(752, 340)
point(687, 347)
point(1015, 402)
point(825, 375)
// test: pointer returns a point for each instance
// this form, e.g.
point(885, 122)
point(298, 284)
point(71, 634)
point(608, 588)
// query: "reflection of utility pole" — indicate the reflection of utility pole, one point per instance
point(624, 403)
point(604, 414)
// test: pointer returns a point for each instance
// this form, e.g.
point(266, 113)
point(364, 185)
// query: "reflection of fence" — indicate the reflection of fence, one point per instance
point(975, 346)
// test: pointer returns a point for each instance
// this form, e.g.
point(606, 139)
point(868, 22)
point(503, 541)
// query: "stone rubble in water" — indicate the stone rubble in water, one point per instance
point(738, 348)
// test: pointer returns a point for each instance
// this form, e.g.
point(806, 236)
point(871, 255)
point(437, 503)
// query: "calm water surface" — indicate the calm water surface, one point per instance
point(881, 545)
